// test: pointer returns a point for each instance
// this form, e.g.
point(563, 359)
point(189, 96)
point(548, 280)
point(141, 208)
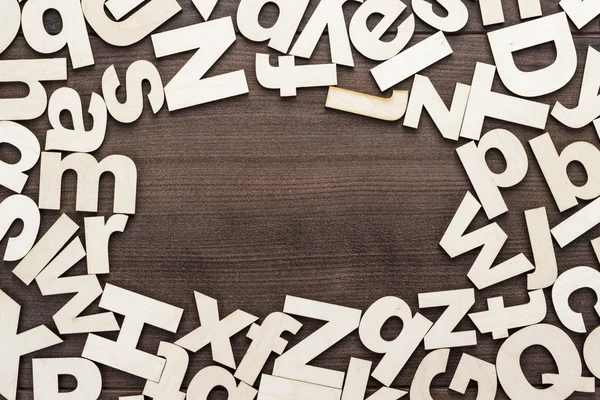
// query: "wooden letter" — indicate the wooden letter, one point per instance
point(275, 388)
point(19, 207)
point(357, 379)
point(404, 65)
point(368, 42)
point(553, 28)
point(288, 76)
point(554, 168)
point(386, 109)
point(456, 18)
point(566, 284)
point(397, 351)
point(76, 139)
point(266, 338)
point(577, 224)
point(487, 183)
point(11, 22)
point(473, 369)
point(581, 12)
point(485, 103)
point(281, 33)
point(433, 364)
point(441, 334)
point(13, 345)
point(212, 377)
point(46, 249)
point(73, 33)
point(172, 377)
point(588, 108)
point(86, 287)
point(120, 8)
point(492, 12)
point(137, 73)
point(591, 350)
point(138, 310)
point(46, 372)
point(212, 39)
point(562, 349)
point(499, 319)
point(12, 176)
point(328, 15)
point(30, 72)
point(132, 29)
point(542, 247)
point(341, 321)
point(447, 120)
point(456, 242)
point(97, 236)
point(88, 171)
point(214, 331)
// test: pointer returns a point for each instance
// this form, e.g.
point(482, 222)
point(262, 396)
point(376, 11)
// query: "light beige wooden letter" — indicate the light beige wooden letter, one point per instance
point(19, 207)
point(46, 372)
point(176, 365)
point(88, 171)
point(97, 236)
point(456, 17)
point(397, 351)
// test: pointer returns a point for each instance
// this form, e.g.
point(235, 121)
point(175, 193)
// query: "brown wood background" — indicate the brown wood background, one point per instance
point(255, 197)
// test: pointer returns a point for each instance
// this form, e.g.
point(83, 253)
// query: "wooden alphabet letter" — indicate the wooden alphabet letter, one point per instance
point(86, 287)
point(137, 73)
point(591, 350)
point(214, 331)
point(553, 28)
point(212, 377)
point(357, 379)
point(456, 18)
point(433, 364)
point(447, 120)
point(568, 282)
point(172, 377)
point(328, 15)
point(19, 207)
point(440, 335)
point(76, 139)
point(73, 33)
point(554, 168)
point(588, 108)
point(11, 22)
point(46, 249)
point(542, 248)
point(281, 33)
point(266, 338)
point(30, 72)
point(455, 242)
point(581, 12)
point(88, 171)
point(46, 372)
point(12, 176)
point(485, 103)
point(397, 351)
point(562, 349)
point(499, 319)
point(13, 345)
point(473, 369)
point(138, 310)
point(341, 321)
point(188, 88)
point(368, 42)
point(288, 76)
point(386, 109)
point(97, 236)
point(132, 29)
point(404, 65)
point(275, 388)
point(487, 183)
point(492, 12)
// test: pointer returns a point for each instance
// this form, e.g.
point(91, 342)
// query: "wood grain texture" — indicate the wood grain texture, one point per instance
point(255, 197)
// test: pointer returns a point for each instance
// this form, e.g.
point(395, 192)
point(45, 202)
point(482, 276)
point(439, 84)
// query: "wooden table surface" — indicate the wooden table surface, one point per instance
point(255, 197)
